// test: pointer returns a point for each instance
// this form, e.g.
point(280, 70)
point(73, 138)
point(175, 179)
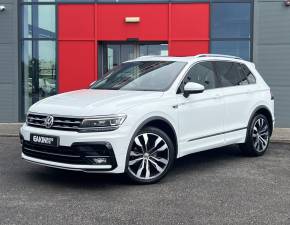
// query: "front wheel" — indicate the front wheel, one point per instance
point(151, 155)
point(258, 136)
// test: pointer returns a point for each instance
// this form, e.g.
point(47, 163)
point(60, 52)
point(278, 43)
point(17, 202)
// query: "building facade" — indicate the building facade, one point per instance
point(54, 46)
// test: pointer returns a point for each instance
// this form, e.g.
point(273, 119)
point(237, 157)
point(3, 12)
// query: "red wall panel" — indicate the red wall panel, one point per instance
point(153, 25)
point(190, 21)
point(81, 26)
point(76, 64)
point(76, 22)
point(188, 48)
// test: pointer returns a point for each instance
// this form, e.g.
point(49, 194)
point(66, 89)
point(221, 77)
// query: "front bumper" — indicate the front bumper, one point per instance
point(84, 168)
point(78, 151)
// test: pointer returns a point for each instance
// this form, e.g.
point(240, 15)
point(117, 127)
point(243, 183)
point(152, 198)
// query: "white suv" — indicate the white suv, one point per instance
point(149, 111)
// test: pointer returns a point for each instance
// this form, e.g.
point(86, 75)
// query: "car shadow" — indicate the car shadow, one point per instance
point(202, 160)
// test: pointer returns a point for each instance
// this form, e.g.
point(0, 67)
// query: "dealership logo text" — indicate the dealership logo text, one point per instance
point(42, 140)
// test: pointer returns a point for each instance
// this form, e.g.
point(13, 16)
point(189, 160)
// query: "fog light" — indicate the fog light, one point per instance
point(101, 161)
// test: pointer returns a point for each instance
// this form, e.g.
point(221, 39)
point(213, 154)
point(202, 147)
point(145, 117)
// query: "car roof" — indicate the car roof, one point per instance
point(187, 59)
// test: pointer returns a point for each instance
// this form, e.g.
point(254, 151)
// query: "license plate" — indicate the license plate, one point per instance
point(44, 140)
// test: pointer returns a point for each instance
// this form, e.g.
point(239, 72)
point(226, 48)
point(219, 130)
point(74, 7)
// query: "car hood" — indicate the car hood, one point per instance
point(90, 102)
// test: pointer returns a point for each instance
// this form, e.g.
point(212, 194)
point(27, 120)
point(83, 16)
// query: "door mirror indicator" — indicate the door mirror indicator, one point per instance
point(192, 88)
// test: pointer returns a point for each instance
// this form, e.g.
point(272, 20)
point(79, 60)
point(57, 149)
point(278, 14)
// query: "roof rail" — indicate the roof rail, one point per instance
point(217, 55)
point(148, 56)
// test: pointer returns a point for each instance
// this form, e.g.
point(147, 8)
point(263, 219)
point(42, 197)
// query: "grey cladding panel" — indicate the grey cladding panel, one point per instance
point(273, 63)
point(8, 63)
point(273, 23)
point(8, 24)
point(282, 106)
point(8, 109)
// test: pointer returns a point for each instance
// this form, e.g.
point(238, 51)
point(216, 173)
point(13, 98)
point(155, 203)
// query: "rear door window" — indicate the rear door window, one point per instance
point(231, 74)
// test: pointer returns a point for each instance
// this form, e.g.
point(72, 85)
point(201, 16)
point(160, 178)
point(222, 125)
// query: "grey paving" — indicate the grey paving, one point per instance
point(214, 187)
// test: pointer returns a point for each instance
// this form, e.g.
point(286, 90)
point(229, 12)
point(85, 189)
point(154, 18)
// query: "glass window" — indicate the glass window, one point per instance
point(46, 68)
point(46, 21)
point(141, 76)
point(251, 78)
point(231, 20)
point(154, 49)
point(230, 74)
point(113, 54)
point(113, 58)
point(237, 48)
point(38, 55)
point(27, 21)
point(39, 73)
point(127, 52)
point(202, 73)
point(39, 21)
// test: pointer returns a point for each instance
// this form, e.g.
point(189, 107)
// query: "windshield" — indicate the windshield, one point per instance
point(141, 76)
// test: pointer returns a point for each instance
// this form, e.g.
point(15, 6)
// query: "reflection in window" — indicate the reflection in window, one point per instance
point(27, 73)
point(39, 21)
point(27, 21)
point(155, 49)
point(46, 69)
point(114, 54)
point(38, 55)
point(231, 74)
point(237, 48)
point(202, 73)
point(141, 76)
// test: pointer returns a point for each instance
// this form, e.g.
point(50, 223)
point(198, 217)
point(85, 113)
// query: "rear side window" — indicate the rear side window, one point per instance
point(231, 74)
point(251, 78)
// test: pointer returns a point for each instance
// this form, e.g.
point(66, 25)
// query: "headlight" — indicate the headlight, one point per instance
point(100, 124)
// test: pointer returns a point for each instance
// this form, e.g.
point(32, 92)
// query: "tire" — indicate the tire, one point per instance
point(258, 136)
point(150, 156)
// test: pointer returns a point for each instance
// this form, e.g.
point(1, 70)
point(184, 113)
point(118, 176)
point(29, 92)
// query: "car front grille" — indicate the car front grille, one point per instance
point(59, 123)
point(78, 153)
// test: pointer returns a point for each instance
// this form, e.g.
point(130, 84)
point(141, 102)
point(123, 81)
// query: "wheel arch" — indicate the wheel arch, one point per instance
point(158, 122)
point(264, 110)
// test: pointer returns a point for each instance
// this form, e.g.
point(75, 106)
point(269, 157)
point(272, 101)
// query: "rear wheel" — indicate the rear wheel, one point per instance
point(151, 155)
point(258, 136)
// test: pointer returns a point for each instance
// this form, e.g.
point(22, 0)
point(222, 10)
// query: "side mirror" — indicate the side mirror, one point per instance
point(192, 88)
point(91, 84)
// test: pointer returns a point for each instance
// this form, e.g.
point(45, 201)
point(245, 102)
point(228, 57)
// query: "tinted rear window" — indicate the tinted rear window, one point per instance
point(231, 74)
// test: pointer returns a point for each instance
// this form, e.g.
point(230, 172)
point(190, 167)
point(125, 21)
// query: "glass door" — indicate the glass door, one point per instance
point(114, 53)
